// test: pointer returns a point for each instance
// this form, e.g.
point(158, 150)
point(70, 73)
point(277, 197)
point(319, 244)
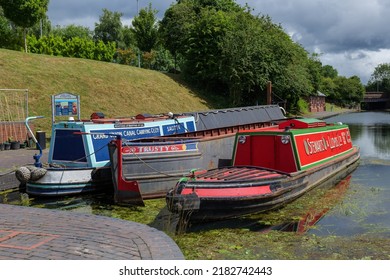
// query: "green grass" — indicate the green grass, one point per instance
point(116, 90)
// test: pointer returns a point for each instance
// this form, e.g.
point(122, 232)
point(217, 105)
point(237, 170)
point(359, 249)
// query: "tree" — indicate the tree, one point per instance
point(109, 28)
point(329, 88)
point(6, 32)
point(244, 67)
point(328, 71)
point(205, 45)
point(24, 13)
point(175, 28)
point(128, 37)
point(145, 29)
point(41, 28)
point(350, 89)
point(71, 31)
point(314, 68)
point(380, 78)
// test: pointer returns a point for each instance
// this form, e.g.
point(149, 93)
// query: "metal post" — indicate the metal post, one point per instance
point(139, 55)
point(26, 102)
point(269, 93)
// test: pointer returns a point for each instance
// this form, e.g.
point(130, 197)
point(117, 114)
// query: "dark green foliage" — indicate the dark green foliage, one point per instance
point(41, 27)
point(145, 29)
point(380, 78)
point(24, 13)
point(70, 31)
point(10, 35)
point(233, 53)
point(162, 60)
point(174, 29)
point(109, 28)
point(328, 71)
point(350, 90)
point(128, 38)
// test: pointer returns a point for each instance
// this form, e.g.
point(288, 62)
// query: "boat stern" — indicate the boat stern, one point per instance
point(177, 202)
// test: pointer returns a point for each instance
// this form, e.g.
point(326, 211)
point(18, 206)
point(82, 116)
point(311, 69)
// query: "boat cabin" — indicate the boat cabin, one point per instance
point(82, 144)
point(293, 145)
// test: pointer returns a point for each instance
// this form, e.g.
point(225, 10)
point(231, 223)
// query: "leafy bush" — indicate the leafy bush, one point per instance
point(127, 57)
point(74, 47)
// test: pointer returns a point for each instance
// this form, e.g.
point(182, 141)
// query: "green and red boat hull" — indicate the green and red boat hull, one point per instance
point(271, 167)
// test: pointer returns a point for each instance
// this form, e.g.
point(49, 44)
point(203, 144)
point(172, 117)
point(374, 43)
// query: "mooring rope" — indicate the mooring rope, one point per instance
point(148, 165)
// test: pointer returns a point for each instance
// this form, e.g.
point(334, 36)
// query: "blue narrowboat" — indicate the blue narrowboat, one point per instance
point(78, 157)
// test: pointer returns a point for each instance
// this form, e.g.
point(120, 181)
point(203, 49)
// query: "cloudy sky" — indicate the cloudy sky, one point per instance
point(351, 35)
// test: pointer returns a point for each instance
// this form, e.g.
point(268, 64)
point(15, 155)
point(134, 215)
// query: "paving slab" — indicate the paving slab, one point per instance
point(28, 233)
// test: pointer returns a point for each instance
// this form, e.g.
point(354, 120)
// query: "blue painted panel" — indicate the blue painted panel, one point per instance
point(68, 146)
point(191, 126)
point(100, 141)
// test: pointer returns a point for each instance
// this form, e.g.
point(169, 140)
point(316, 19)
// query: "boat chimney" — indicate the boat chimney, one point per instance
point(269, 92)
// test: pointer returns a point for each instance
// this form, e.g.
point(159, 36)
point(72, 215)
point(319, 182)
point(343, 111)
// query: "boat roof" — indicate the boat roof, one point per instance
point(292, 125)
point(302, 123)
point(236, 116)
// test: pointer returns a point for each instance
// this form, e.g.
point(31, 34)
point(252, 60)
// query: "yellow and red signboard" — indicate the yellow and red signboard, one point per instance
point(158, 148)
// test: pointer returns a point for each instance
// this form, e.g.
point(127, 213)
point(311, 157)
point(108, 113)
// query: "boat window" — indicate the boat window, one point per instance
point(68, 146)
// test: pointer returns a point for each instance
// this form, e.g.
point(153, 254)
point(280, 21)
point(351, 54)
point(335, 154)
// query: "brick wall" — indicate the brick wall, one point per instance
point(317, 104)
point(16, 130)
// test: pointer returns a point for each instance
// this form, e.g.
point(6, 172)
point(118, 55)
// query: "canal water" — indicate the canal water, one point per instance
point(347, 219)
point(365, 206)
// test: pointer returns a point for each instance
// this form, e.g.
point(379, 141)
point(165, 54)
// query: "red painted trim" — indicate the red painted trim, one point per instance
point(124, 185)
point(230, 192)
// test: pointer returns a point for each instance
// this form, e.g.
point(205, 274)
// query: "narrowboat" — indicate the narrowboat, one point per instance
point(79, 160)
point(147, 168)
point(270, 167)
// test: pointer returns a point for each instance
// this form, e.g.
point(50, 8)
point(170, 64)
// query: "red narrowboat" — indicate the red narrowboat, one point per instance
point(270, 167)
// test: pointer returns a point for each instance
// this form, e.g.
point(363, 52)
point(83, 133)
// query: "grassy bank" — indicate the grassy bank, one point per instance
point(116, 90)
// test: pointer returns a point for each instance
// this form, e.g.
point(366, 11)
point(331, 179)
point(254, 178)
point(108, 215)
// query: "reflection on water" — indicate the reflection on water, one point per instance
point(298, 216)
point(374, 141)
point(370, 131)
point(365, 208)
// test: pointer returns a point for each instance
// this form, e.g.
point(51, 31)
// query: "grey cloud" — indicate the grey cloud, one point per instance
point(333, 26)
point(87, 12)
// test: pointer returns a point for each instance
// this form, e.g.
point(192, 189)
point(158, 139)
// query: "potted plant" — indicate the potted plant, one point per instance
point(24, 144)
point(7, 145)
point(1, 146)
point(14, 144)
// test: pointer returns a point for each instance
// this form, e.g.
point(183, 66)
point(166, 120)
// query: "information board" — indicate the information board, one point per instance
point(65, 105)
